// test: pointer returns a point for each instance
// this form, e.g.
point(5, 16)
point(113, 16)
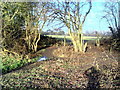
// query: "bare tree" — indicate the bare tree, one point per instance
point(73, 15)
point(119, 17)
point(112, 10)
point(22, 22)
point(34, 25)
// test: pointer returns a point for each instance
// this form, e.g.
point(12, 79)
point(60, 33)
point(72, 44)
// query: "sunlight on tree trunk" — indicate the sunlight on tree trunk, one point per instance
point(33, 32)
point(64, 40)
point(73, 18)
point(77, 37)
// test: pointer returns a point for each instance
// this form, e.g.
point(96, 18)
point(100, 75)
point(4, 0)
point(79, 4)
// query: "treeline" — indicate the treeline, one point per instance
point(23, 23)
point(52, 32)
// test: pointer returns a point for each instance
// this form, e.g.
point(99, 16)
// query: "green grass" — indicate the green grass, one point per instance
point(59, 73)
point(10, 63)
point(68, 37)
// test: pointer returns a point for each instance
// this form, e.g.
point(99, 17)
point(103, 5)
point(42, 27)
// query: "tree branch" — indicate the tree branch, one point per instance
point(90, 6)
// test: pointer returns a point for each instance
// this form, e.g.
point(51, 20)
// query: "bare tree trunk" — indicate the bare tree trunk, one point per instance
point(36, 43)
point(119, 19)
point(119, 15)
point(75, 45)
point(80, 43)
point(1, 38)
point(70, 14)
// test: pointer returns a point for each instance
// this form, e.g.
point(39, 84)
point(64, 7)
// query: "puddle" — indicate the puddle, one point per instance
point(42, 58)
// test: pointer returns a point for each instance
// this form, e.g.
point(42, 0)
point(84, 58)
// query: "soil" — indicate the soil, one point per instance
point(68, 69)
point(92, 57)
point(67, 52)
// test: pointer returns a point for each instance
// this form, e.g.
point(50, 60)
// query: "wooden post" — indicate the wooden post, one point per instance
point(64, 40)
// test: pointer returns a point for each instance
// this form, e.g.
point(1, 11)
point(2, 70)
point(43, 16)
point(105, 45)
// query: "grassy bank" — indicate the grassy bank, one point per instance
point(68, 37)
point(9, 63)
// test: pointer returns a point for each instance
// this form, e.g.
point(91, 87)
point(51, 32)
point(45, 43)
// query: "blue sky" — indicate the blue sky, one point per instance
point(93, 21)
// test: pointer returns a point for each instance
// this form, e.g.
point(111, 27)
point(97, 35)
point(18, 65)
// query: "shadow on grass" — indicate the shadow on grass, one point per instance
point(93, 78)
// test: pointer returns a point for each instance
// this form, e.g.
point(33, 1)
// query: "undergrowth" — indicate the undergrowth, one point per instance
point(10, 63)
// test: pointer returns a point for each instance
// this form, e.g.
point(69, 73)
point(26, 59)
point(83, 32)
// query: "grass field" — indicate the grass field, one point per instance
point(68, 37)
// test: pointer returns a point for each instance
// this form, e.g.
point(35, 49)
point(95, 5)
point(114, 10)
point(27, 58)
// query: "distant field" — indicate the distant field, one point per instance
point(68, 37)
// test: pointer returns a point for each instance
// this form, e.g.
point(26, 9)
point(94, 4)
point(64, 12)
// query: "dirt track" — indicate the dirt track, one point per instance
point(72, 70)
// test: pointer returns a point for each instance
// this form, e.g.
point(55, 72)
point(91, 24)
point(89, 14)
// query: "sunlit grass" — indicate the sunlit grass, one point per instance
point(68, 37)
point(8, 63)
